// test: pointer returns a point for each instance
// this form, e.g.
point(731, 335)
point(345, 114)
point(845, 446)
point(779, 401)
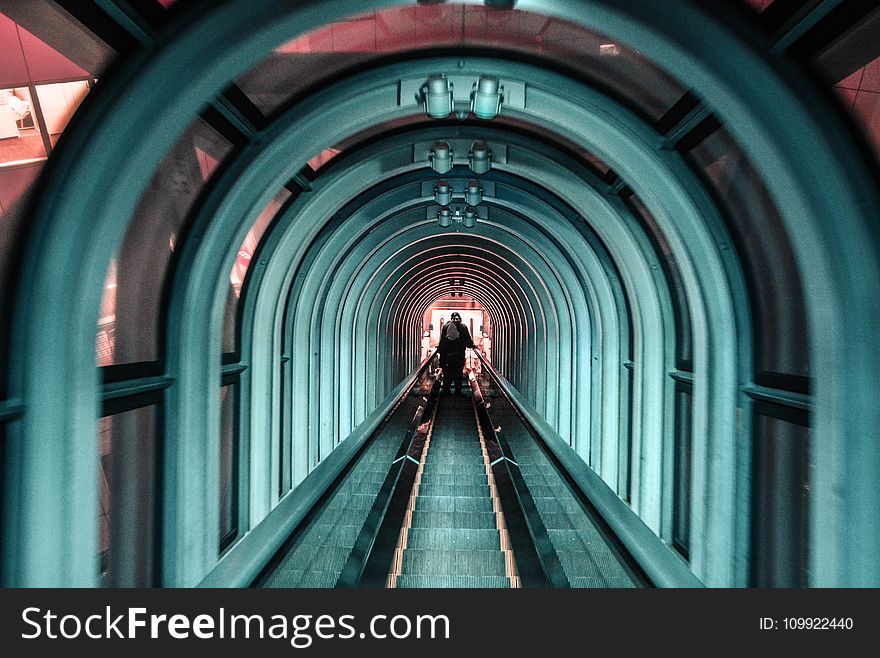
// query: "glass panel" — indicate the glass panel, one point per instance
point(860, 93)
point(624, 477)
point(683, 337)
point(578, 150)
point(136, 280)
point(285, 452)
point(782, 482)
point(58, 102)
point(15, 187)
point(331, 49)
point(128, 494)
point(239, 270)
point(681, 498)
point(323, 158)
point(2, 489)
point(758, 5)
point(852, 66)
point(780, 327)
point(45, 44)
point(106, 337)
point(21, 140)
point(45, 63)
point(13, 69)
point(228, 464)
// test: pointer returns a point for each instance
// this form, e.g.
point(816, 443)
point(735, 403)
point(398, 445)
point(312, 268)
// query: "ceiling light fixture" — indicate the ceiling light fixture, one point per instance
point(438, 96)
point(441, 157)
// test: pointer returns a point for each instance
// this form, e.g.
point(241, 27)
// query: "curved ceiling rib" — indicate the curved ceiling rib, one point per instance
point(567, 269)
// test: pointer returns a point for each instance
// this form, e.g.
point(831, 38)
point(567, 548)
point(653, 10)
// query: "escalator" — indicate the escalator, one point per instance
point(453, 491)
point(454, 536)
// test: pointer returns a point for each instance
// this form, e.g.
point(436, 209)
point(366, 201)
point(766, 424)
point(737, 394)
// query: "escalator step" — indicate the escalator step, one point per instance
point(449, 563)
point(454, 504)
point(436, 468)
point(453, 539)
point(454, 490)
point(457, 456)
point(484, 520)
point(470, 582)
point(458, 479)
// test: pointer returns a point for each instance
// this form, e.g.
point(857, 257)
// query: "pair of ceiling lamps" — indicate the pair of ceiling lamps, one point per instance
point(479, 158)
point(468, 218)
point(486, 97)
point(473, 193)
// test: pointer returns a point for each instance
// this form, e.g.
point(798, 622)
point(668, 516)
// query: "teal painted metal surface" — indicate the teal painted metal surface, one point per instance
point(832, 228)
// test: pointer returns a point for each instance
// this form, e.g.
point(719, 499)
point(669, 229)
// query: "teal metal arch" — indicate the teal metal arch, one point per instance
point(528, 278)
point(839, 259)
point(419, 241)
point(653, 495)
point(577, 185)
point(321, 269)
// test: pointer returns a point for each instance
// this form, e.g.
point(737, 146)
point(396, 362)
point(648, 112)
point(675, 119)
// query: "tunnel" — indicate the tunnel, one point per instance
point(233, 231)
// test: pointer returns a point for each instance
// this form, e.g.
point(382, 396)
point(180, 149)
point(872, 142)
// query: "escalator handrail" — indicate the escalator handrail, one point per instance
point(652, 560)
point(272, 538)
point(370, 560)
point(536, 558)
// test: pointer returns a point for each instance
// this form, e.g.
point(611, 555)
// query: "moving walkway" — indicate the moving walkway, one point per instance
point(453, 491)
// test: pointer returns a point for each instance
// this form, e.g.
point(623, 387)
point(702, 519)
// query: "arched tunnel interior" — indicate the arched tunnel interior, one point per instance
point(232, 233)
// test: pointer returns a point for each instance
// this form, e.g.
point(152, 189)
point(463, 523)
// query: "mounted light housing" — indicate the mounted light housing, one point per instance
point(480, 157)
point(473, 193)
point(441, 157)
point(486, 97)
point(443, 193)
point(437, 93)
point(444, 218)
point(469, 219)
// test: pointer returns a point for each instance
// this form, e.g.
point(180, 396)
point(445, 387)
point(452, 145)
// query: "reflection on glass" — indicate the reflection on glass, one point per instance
point(683, 339)
point(15, 187)
point(58, 102)
point(131, 309)
point(590, 158)
point(127, 496)
point(781, 338)
point(782, 484)
point(860, 92)
point(242, 263)
point(682, 472)
point(758, 5)
point(107, 319)
point(296, 65)
point(21, 141)
point(228, 465)
point(323, 158)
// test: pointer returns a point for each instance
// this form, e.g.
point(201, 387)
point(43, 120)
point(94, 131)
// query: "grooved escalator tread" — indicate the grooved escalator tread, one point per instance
point(453, 540)
point(438, 582)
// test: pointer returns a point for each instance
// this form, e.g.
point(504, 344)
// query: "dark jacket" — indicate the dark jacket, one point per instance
point(453, 349)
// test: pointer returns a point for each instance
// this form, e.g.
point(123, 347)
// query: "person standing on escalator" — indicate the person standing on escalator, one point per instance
point(455, 339)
